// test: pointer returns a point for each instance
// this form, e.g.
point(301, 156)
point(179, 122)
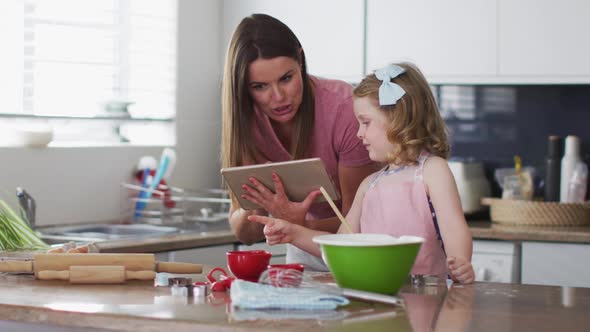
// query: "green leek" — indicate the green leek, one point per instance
point(15, 233)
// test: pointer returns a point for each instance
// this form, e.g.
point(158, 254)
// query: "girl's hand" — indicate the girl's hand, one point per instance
point(277, 203)
point(461, 270)
point(276, 231)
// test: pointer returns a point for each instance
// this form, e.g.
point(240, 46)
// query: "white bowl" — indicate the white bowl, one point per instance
point(34, 135)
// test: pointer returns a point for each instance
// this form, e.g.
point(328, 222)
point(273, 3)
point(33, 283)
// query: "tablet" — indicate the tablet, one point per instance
point(300, 177)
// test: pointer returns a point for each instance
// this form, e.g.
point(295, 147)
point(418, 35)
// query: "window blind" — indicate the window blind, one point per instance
point(70, 57)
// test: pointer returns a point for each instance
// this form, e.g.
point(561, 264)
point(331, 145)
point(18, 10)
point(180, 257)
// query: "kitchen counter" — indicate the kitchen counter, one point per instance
point(495, 231)
point(139, 306)
point(479, 230)
point(171, 242)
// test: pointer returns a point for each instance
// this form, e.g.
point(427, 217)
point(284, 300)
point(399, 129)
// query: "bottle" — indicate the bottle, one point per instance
point(568, 163)
point(553, 168)
point(577, 185)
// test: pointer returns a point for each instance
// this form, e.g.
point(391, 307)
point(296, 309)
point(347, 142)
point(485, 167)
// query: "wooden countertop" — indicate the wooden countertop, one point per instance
point(169, 242)
point(139, 306)
point(495, 231)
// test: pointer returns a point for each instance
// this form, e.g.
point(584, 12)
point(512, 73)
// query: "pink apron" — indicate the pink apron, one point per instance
point(396, 203)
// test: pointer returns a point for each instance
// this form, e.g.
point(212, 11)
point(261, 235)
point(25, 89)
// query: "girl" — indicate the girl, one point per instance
point(415, 193)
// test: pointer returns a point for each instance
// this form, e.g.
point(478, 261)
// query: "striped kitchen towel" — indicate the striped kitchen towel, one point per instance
point(251, 295)
point(237, 314)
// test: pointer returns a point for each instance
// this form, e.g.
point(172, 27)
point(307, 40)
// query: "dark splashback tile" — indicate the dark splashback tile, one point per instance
point(494, 123)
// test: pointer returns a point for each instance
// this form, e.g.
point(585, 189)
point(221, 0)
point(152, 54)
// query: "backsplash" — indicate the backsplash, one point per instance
point(494, 123)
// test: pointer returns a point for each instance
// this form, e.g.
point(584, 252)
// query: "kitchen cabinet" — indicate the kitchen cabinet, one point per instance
point(216, 255)
point(483, 41)
point(544, 40)
point(213, 255)
point(559, 264)
point(496, 261)
point(279, 251)
point(330, 31)
point(451, 41)
point(162, 256)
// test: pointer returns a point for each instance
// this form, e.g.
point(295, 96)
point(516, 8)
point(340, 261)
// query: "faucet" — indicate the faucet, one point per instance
point(27, 206)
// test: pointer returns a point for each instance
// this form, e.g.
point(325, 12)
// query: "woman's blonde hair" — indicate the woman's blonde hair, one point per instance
point(415, 123)
point(259, 36)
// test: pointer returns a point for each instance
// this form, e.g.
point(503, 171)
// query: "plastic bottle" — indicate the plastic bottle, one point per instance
point(577, 185)
point(553, 168)
point(568, 163)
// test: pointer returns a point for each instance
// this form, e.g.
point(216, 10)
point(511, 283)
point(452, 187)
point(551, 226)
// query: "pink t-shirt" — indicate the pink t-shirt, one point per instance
point(334, 136)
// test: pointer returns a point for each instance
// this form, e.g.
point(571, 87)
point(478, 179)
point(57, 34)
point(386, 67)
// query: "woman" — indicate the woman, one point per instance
point(274, 111)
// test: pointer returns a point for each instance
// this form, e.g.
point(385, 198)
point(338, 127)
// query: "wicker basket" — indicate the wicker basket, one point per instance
point(534, 213)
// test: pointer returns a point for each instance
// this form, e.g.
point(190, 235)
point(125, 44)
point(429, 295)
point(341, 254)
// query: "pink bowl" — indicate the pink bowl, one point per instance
point(249, 264)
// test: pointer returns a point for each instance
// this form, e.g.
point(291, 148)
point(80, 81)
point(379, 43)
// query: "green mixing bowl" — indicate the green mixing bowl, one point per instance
point(371, 262)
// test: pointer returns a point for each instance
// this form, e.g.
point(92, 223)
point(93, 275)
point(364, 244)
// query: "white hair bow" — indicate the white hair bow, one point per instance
point(389, 92)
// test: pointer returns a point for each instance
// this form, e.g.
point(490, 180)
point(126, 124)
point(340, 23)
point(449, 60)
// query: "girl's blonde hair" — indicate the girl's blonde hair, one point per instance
point(415, 123)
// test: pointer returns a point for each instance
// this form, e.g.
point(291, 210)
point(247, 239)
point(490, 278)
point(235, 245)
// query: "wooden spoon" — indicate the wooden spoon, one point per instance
point(340, 216)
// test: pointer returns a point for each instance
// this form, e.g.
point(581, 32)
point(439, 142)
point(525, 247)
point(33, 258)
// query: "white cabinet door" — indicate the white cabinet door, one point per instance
point(451, 41)
point(560, 264)
point(162, 256)
point(546, 40)
point(279, 251)
point(330, 31)
point(213, 256)
point(496, 261)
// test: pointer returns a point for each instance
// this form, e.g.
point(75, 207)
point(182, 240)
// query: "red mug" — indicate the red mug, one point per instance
point(249, 264)
point(285, 275)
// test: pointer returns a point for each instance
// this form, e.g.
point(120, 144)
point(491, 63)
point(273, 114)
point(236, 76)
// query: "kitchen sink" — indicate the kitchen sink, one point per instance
point(104, 232)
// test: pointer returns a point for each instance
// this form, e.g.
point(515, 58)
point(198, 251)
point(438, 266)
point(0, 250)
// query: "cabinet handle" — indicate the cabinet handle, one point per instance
point(481, 274)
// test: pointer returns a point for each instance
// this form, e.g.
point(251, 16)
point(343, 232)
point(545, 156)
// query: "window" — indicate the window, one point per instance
point(76, 64)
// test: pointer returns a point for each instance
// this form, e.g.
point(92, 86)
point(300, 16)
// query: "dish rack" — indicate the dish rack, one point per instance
point(173, 205)
point(537, 213)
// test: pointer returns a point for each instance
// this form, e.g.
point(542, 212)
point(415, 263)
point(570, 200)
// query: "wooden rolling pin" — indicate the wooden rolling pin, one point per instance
point(131, 262)
point(105, 274)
